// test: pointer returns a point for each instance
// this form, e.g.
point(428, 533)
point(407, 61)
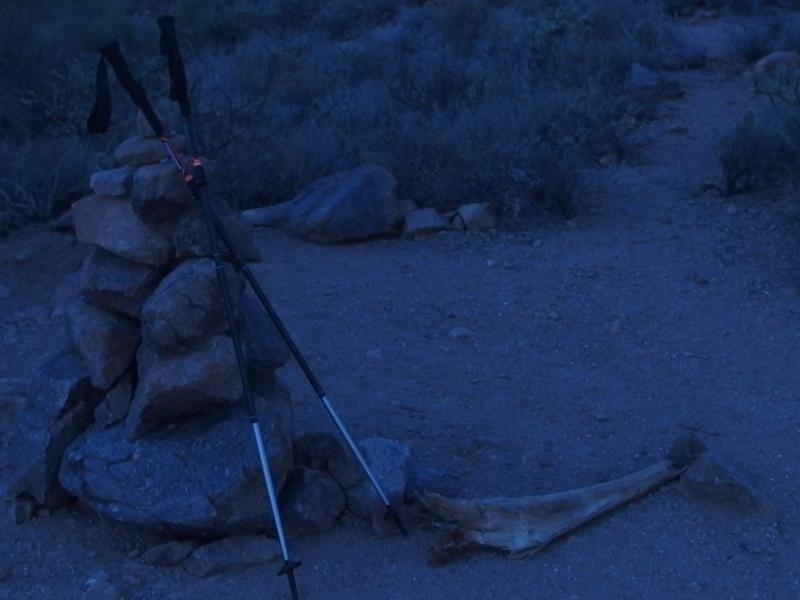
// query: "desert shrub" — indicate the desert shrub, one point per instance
point(751, 157)
point(44, 178)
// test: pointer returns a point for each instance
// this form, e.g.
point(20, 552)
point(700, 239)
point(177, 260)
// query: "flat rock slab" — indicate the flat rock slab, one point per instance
point(112, 182)
point(110, 223)
point(115, 283)
point(105, 341)
point(350, 205)
point(232, 554)
point(140, 150)
point(200, 479)
point(39, 418)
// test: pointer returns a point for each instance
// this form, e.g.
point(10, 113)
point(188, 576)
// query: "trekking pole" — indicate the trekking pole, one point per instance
point(100, 117)
point(179, 93)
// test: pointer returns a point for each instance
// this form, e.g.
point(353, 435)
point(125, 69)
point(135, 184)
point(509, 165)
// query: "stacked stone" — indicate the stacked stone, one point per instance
point(170, 447)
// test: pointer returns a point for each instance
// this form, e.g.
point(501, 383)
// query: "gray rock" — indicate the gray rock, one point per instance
point(350, 205)
point(478, 216)
point(191, 236)
point(460, 333)
point(390, 463)
point(140, 150)
point(112, 182)
point(422, 221)
point(187, 306)
point(106, 342)
point(231, 554)
point(201, 478)
point(324, 452)
point(264, 348)
point(160, 193)
point(274, 215)
point(431, 479)
point(116, 403)
point(708, 480)
point(110, 223)
point(39, 417)
point(311, 502)
point(115, 283)
point(98, 586)
point(405, 207)
point(179, 385)
point(169, 554)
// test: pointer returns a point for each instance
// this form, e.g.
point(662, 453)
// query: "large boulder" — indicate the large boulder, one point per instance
point(273, 215)
point(187, 306)
point(105, 341)
point(160, 193)
point(114, 283)
point(200, 479)
point(191, 236)
point(39, 417)
point(350, 205)
point(175, 386)
point(110, 223)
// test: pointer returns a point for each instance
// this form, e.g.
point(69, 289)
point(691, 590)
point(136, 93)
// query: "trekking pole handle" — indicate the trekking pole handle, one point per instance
point(179, 89)
point(113, 55)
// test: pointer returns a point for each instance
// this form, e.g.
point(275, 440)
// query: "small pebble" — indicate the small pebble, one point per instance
point(731, 209)
point(458, 333)
point(376, 353)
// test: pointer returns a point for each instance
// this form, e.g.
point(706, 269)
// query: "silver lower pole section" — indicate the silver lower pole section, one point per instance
point(354, 448)
point(273, 497)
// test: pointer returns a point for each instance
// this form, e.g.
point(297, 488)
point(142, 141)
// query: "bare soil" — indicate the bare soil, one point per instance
point(596, 343)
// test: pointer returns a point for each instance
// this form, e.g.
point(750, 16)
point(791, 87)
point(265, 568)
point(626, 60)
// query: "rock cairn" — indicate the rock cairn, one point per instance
point(169, 447)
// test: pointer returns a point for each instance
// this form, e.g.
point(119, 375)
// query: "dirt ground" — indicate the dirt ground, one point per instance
point(596, 343)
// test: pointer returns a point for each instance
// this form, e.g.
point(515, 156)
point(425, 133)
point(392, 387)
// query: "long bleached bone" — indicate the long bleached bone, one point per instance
point(523, 526)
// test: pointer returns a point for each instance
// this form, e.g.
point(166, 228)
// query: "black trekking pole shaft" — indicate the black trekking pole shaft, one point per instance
point(288, 564)
point(179, 92)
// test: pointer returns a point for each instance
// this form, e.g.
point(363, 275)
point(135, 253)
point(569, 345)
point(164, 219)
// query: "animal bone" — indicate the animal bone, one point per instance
point(523, 526)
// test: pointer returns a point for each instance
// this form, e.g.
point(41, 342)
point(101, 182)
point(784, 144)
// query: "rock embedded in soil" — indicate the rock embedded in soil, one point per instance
point(174, 386)
point(168, 555)
point(105, 341)
point(423, 221)
point(115, 283)
point(231, 554)
point(390, 462)
point(201, 478)
point(39, 417)
point(112, 182)
point(346, 206)
point(187, 306)
point(110, 223)
point(311, 502)
point(478, 216)
point(160, 193)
